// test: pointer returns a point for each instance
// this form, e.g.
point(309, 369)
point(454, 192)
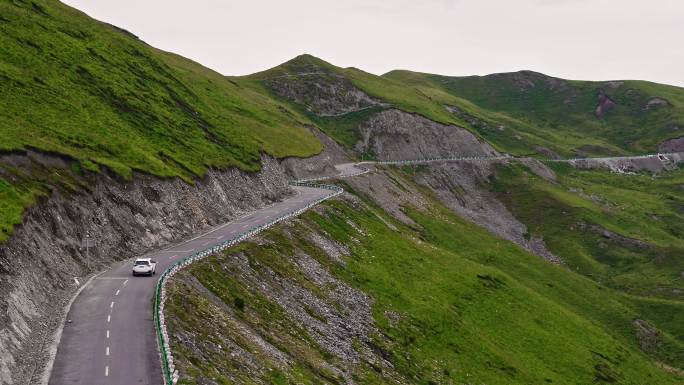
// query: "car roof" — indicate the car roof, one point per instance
point(143, 259)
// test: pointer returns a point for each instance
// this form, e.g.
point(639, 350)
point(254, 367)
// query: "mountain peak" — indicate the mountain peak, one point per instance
point(306, 59)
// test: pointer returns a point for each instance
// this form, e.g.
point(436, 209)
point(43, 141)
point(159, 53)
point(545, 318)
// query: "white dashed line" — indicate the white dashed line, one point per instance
point(107, 351)
point(111, 305)
point(117, 292)
point(106, 371)
point(125, 282)
point(107, 334)
point(109, 318)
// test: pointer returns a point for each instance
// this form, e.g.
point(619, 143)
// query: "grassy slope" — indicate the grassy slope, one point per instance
point(474, 308)
point(563, 111)
point(76, 87)
point(638, 207)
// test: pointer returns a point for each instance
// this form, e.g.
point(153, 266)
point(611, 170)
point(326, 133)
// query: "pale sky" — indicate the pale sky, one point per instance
point(575, 39)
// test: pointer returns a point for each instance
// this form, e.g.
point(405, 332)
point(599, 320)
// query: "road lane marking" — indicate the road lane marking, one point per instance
point(117, 292)
point(109, 318)
point(125, 282)
point(107, 334)
point(111, 305)
point(107, 351)
point(106, 371)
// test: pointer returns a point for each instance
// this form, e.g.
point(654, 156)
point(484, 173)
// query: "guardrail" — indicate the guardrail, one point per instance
point(360, 171)
point(506, 156)
point(168, 367)
point(627, 157)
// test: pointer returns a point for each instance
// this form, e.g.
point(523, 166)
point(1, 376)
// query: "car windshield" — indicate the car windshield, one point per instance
point(141, 263)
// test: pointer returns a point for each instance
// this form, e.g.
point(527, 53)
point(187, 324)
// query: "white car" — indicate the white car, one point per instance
point(144, 266)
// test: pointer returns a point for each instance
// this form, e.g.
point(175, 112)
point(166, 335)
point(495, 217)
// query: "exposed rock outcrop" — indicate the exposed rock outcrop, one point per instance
point(605, 103)
point(656, 102)
point(672, 145)
point(394, 134)
point(461, 186)
point(319, 165)
point(39, 262)
point(649, 336)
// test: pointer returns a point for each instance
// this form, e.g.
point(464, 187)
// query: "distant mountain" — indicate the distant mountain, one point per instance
point(520, 113)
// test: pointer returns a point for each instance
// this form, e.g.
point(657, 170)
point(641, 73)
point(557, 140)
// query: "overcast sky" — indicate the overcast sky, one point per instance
point(576, 39)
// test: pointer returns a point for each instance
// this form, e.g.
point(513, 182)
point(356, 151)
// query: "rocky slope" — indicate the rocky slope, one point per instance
point(394, 134)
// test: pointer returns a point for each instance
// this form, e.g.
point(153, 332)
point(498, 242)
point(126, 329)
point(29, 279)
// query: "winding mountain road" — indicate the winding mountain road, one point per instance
point(110, 337)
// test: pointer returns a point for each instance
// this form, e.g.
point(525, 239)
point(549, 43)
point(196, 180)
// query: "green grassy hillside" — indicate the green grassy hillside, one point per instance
point(452, 305)
point(626, 231)
point(636, 116)
point(85, 90)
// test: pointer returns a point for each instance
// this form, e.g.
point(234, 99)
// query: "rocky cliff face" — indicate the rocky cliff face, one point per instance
point(125, 219)
point(672, 145)
point(319, 165)
point(394, 134)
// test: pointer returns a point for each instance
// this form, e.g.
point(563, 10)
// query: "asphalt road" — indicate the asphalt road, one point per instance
point(111, 338)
